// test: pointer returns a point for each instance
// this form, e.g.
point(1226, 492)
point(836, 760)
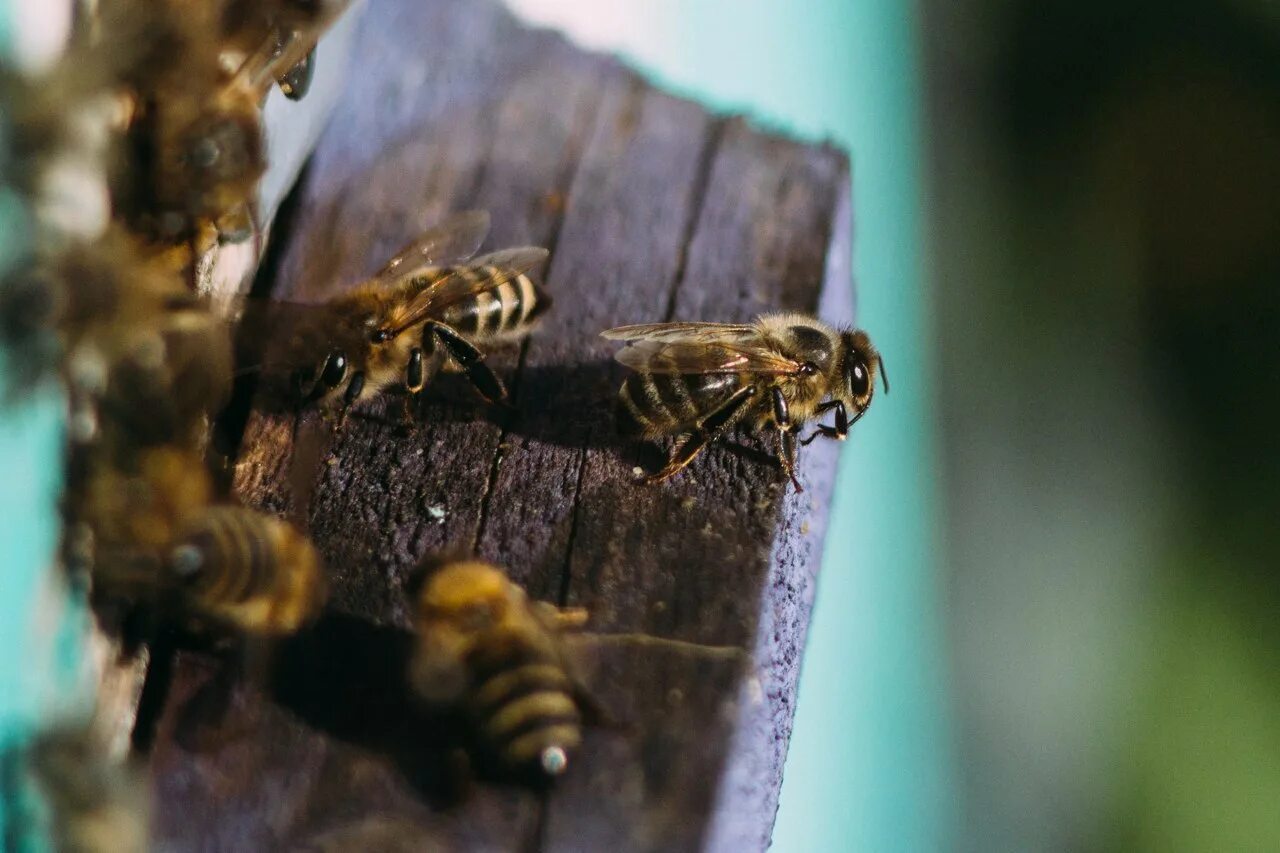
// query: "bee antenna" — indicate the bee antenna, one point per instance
point(884, 377)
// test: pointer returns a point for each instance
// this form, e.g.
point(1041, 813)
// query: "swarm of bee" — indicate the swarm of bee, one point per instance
point(143, 149)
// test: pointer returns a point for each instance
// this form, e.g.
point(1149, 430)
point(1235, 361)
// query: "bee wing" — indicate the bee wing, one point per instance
point(700, 348)
point(451, 242)
point(482, 274)
point(280, 51)
point(681, 332)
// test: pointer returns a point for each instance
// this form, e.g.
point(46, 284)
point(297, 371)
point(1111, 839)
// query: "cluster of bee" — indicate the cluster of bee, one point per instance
point(127, 157)
point(147, 364)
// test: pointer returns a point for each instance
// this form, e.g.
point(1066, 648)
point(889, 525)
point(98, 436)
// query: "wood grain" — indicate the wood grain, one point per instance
point(699, 590)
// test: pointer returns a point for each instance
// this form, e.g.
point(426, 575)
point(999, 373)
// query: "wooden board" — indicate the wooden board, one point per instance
point(699, 590)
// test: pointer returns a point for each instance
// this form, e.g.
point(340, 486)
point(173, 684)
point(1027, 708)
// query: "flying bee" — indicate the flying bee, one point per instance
point(248, 570)
point(428, 309)
point(483, 646)
point(780, 372)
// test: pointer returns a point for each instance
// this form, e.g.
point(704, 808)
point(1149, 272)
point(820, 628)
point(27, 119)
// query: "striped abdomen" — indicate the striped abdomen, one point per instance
point(522, 706)
point(250, 569)
point(664, 403)
point(506, 310)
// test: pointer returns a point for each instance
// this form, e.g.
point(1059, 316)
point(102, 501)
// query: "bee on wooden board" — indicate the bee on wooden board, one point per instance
point(249, 570)
point(157, 538)
point(429, 309)
point(146, 362)
point(780, 372)
point(484, 646)
point(198, 118)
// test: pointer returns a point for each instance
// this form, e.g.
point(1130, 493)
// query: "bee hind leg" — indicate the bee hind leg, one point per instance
point(712, 426)
point(786, 437)
point(414, 379)
point(471, 360)
point(349, 397)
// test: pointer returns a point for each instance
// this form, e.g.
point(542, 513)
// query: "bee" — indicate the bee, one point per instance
point(780, 372)
point(248, 570)
point(158, 539)
point(198, 119)
point(63, 792)
point(426, 310)
point(146, 361)
point(483, 646)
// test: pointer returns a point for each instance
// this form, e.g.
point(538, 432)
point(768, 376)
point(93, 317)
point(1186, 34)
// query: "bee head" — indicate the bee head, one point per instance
point(459, 605)
point(861, 365)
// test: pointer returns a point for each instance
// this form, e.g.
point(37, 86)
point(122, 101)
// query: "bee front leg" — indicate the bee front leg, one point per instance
point(712, 426)
point(840, 431)
point(471, 360)
point(786, 437)
point(349, 397)
point(414, 379)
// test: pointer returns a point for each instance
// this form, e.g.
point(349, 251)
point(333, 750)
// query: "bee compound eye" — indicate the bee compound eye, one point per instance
point(334, 370)
point(859, 378)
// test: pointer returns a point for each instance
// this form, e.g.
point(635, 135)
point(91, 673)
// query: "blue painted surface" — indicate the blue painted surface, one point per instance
point(870, 766)
point(42, 627)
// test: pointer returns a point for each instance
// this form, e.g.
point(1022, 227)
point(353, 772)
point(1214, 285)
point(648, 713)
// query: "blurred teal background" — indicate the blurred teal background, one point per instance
point(870, 763)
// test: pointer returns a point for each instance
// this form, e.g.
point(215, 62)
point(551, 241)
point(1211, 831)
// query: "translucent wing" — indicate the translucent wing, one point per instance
point(682, 332)
point(700, 348)
point(451, 242)
point(482, 274)
point(283, 50)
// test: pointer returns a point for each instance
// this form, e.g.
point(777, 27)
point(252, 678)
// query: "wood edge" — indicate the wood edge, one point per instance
point(750, 785)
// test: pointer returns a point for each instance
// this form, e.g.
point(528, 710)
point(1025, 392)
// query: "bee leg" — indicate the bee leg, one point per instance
point(471, 360)
point(710, 429)
point(840, 431)
point(786, 437)
point(349, 397)
point(414, 379)
point(564, 618)
point(787, 455)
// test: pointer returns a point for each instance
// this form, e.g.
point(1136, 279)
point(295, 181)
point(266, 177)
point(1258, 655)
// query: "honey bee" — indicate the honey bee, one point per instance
point(145, 360)
point(157, 539)
point(198, 120)
point(483, 646)
point(249, 570)
point(780, 372)
point(426, 310)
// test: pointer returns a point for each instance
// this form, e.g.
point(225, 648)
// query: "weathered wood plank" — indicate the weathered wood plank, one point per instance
point(653, 209)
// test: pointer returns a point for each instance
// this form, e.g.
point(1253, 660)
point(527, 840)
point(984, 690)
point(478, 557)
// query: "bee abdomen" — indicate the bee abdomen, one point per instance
point(665, 403)
point(528, 717)
point(251, 570)
point(508, 308)
point(235, 564)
